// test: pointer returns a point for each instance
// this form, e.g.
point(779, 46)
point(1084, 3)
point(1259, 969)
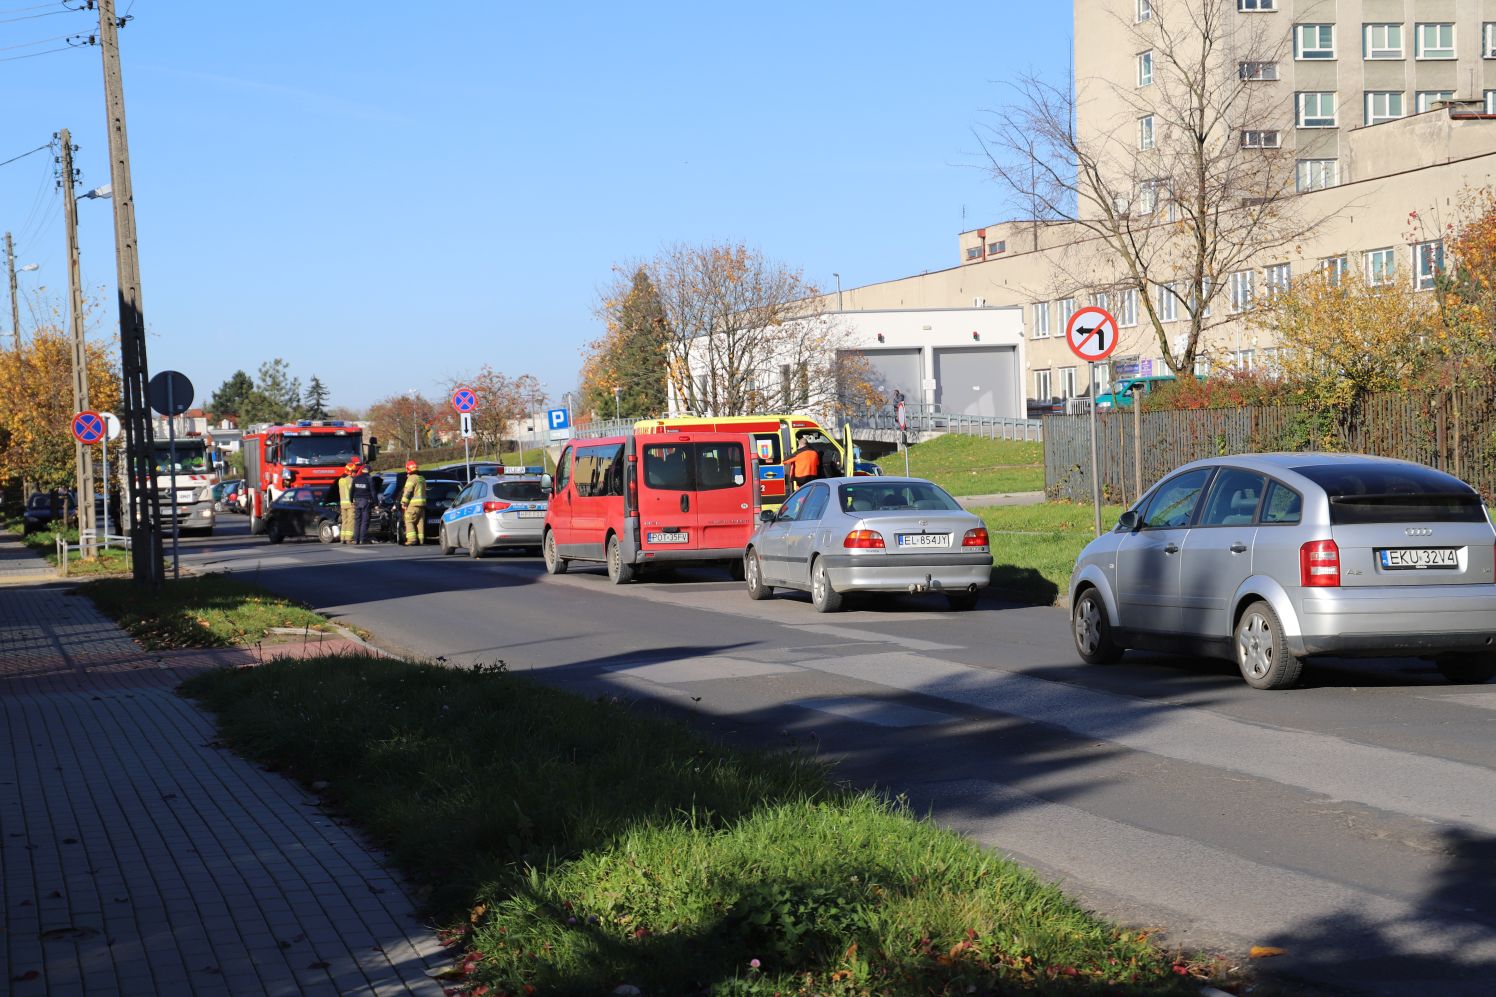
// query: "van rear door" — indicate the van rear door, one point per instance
point(694, 492)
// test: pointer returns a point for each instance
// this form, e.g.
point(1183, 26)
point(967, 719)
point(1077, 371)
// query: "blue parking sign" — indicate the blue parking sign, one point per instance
point(560, 418)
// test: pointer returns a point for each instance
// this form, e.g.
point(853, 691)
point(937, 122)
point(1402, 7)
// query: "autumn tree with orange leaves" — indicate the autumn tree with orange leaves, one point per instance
point(1464, 341)
point(36, 404)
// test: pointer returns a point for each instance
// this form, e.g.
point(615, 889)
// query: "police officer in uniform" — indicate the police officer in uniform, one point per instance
point(361, 488)
point(345, 502)
point(413, 500)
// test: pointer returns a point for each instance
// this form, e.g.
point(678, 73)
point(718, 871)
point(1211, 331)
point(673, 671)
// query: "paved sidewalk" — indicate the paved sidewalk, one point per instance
point(999, 498)
point(137, 856)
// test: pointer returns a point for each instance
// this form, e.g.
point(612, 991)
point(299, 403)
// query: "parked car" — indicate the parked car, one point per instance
point(387, 520)
point(1272, 558)
point(44, 510)
point(459, 472)
point(223, 494)
point(887, 534)
point(497, 511)
point(303, 512)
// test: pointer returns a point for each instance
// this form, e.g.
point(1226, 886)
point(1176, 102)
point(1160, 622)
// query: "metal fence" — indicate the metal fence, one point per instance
point(929, 420)
point(1452, 431)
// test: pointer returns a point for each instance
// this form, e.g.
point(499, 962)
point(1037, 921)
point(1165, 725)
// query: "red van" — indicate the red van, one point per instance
point(654, 498)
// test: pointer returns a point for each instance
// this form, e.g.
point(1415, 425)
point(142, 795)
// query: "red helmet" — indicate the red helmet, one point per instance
point(410, 465)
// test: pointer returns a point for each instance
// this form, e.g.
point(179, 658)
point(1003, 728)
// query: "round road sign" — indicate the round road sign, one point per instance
point(464, 400)
point(88, 427)
point(170, 392)
point(1092, 334)
point(111, 422)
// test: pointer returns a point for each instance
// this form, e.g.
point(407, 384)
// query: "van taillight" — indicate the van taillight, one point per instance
point(975, 538)
point(495, 506)
point(632, 502)
point(864, 539)
point(1319, 564)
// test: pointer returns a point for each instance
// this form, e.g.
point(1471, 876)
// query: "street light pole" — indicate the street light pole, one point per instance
point(838, 291)
point(15, 308)
point(82, 455)
point(617, 402)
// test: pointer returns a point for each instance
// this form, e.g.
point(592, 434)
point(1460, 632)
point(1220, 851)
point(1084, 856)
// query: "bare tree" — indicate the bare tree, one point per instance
point(746, 334)
point(1174, 183)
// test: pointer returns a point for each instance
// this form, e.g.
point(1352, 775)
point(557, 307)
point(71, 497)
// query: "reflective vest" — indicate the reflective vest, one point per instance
point(345, 490)
point(415, 490)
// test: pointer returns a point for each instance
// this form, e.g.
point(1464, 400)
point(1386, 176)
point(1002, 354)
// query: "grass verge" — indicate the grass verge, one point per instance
point(969, 465)
point(581, 846)
point(202, 611)
point(1034, 546)
point(114, 561)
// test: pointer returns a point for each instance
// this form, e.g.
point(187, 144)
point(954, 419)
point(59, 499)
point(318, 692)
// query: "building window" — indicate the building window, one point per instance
point(1145, 10)
point(1067, 312)
point(1257, 70)
point(1252, 5)
point(1335, 268)
point(1277, 279)
point(1067, 382)
point(1491, 101)
point(1381, 266)
point(1206, 287)
point(1428, 98)
point(1241, 290)
point(1314, 41)
point(997, 247)
point(1145, 69)
point(1041, 385)
point(1041, 320)
point(1317, 109)
point(1168, 303)
point(1317, 174)
point(1147, 198)
point(973, 252)
point(1101, 300)
point(1260, 139)
point(1145, 132)
point(1127, 308)
point(1428, 263)
point(1383, 105)
point(1488, 40)
point(1383, 41)
point(1435, 41)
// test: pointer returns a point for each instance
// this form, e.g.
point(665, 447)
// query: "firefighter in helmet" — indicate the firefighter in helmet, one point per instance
point(345, 502)
point(413, 501)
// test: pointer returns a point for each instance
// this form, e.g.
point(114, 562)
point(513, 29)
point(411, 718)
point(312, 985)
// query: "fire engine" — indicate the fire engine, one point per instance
point(304, 453)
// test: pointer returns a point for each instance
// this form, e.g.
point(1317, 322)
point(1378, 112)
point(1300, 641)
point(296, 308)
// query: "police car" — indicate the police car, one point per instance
point(506, 509)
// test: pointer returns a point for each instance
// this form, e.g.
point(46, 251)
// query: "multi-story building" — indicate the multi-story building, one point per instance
point(1381, 112)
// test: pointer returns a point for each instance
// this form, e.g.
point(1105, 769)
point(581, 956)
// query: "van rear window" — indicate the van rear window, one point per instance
point(1372, 493)
point(692, 467)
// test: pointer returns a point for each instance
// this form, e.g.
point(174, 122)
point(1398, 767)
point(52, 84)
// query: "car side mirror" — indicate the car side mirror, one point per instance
point(766, 516)
point(1130, 521)
point(548, 484)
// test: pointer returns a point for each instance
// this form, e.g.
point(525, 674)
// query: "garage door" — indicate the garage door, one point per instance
point(978, 381)
point(896, 369)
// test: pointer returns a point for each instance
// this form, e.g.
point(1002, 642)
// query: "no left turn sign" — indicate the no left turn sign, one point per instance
point(1092, 334)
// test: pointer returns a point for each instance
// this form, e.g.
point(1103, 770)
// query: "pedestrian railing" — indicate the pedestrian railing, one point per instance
point(929, 419)
point(604, 427)
point(87, 540)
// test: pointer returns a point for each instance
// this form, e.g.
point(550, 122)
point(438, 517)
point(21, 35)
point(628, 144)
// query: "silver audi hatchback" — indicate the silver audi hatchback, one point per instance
point(1271, 558)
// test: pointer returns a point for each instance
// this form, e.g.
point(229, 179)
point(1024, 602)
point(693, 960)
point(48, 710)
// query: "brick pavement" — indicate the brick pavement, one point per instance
point(139, 857)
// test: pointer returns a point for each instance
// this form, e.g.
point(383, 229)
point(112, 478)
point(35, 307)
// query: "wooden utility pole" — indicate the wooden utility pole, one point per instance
point(82, 453)
point(145, 510)
point(15, 307)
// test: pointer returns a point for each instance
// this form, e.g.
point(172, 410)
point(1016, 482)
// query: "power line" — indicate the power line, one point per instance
point(25, 154)
point(33, 17)
point(39, 41)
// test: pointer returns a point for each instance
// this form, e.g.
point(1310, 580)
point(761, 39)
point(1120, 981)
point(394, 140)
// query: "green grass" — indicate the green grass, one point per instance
point(579, 845)
point(202, 611)
point(1034, 546)
point(968, 465)
point(114, 561)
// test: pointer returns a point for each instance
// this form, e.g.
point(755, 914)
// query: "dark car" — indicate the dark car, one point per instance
point(459, 472)
point(387, 521)
point(303, 512)
point(44, 511)
point(224, 495)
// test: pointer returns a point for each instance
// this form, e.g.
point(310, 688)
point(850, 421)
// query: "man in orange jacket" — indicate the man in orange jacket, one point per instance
point(803, 466)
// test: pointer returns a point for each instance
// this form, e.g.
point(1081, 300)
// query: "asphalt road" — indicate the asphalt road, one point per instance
point(1351, 822)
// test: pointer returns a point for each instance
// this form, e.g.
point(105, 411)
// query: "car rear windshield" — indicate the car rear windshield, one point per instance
point(895, 495)
point(1372, 493)
point(518, 491)
point(442, 491)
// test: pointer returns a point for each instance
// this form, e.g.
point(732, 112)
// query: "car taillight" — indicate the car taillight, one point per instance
point(864, 539)
point(1319, 564)
point(975, 538)
point(495, 506)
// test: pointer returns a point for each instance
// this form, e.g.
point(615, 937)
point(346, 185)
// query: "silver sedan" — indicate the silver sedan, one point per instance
point(496, 511)
point(867, 534)
point(1271, 558)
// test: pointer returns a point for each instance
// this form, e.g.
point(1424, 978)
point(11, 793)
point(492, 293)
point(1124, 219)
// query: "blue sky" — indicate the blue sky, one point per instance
point(390, 194)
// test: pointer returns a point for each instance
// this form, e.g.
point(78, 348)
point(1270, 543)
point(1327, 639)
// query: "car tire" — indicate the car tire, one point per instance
point(1466, 669)
point(327, 532)
point(1093, 630)
point(960, 602)
point(443, 542)
point(753, 574)
point(555, 564)
point(473, 550)
point(619, 573)
point(1261, 654)
point(823, 596)
point(273, 532)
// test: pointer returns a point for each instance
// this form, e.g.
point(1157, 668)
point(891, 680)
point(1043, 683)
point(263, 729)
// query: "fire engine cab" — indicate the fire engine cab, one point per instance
point(302, 454)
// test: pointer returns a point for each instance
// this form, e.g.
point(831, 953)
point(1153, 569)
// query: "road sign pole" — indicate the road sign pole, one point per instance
point(171, 435)
point(104, 448)
point(1095, 466)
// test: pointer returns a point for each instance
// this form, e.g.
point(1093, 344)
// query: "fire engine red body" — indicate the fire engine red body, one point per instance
point(302, 454)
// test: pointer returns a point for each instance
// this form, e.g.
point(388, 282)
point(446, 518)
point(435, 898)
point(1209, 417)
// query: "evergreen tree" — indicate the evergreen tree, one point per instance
point(631, 356)
point(232, 397)
point(316, 399)
point(276, 396)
